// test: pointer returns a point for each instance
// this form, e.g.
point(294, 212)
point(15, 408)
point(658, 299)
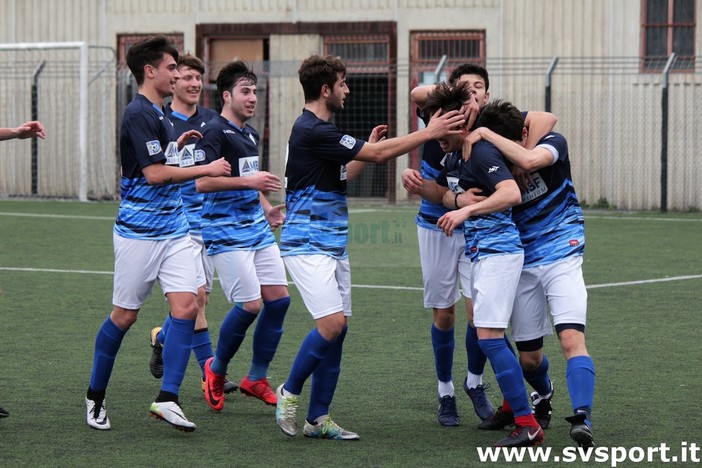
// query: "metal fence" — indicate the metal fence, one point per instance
point(634, 138)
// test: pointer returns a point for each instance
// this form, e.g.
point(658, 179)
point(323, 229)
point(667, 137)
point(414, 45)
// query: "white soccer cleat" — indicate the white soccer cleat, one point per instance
point(97, 415)
point(286, 412)
point(170, 412)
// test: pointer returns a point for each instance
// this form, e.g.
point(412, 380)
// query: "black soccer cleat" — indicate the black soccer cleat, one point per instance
point(542, 408)
point(3, 412)
point(580, 430)
point(498, 421)
point(448, 414)
point(156, 361)
point(522, 436)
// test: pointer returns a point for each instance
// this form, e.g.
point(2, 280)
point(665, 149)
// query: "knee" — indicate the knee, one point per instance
point(253, 307)
point(531, 360)
point(444, 319)
point(572, 343)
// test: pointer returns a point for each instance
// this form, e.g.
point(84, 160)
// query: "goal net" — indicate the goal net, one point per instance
point(70, 88)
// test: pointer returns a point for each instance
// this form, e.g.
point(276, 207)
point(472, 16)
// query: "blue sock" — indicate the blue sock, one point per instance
point(443, 344)
point(176, 353)
point(580, 377)
point(509, 345)
point(231, 335)
point(508, 374)
point(311, 352)
point(538, 378)
point(269, 329)
point(476, 356)
point(202, 347)
point(107, 343)
point(325, 378)
point(161, 337)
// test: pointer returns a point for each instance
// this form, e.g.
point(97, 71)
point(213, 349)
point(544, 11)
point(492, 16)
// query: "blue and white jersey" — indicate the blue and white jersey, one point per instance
point(490, 234)
point(232, 219)
point(152, 212)
point(549, 218)
point(192, 200)
point(317, 220)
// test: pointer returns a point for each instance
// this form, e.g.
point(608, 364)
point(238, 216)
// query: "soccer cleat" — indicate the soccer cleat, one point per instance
point(172, 413)
point(580, 430)
point(498, 421)
point(214, 387)
point(481, 403)
point(156, 361)
point(229, 386)
point(448, 414)
point(328, 430)
point(522, 436)
point(3, 412)
point(260, 389)
point(286, 412)
point(97, 414)
point(542, 408)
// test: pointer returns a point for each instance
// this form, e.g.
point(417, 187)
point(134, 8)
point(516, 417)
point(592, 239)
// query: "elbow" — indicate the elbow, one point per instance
point(201, 186)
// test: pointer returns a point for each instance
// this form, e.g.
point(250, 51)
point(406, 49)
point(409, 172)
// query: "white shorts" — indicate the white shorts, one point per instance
point(559, 287)
point(324, 283)
point(444, 262)
point(203, 262)
point(139, 263)
point(243, 272)
point(495, 280)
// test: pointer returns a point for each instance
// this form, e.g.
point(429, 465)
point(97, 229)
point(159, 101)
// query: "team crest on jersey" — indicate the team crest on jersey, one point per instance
point(347, 141)
point(172, 154)
point(153, 147)
point(574, 243)
point(187, 157)
point(343, 174)
point(199, 156)
point(248, 166)
point(453, 184)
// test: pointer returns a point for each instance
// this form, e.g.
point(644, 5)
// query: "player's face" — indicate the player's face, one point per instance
point(476, 85)
point(165, 76)
point(242, 102)
point(451, 143)
point(335, 102)
point(188, 87)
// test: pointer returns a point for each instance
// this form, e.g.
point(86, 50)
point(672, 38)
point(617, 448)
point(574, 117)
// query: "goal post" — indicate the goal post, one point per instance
point(75, 102)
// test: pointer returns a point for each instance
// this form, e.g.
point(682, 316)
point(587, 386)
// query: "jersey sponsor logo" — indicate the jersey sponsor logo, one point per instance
point(453, 184)
point(534, 189)
point(187, 157)
point(229, 131)
point(199, 155)
point(347, 141)
point(153, 147)
point(343, 174)
point(203, 124)
point(248, 166)
point(573, 243)
point(172, 154)
point(493, 169)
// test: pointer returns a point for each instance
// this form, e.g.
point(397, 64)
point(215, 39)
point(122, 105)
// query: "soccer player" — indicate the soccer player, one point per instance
point(552, 276)
point(495, 251)
point(236, 227)
point(321, 159)
point(151, 240)
point(185, 114)
point(33, 129)
point(443, 258)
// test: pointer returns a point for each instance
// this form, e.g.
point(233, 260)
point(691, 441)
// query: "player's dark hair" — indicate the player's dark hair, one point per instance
point(469, 69)
point(447, 98)
point(317, 71)
point(232, 73)
point(150, 51)
point(502, 118)
point(190, 61)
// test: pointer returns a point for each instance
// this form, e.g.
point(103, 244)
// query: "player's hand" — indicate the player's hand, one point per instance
point(522, 177)
point(186, 136)
point(275, 216)
point(220, 167)
point(472, 138)
point(450, 123)
point(265, 182)
point(378, 134)
point(412, 181)
point(451, 220)
point(470, 197)
point(30, 130)
point(470, 110)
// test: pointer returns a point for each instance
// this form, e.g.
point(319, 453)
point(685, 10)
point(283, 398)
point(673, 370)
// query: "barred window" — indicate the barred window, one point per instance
point(668, 26)
point(459, 47)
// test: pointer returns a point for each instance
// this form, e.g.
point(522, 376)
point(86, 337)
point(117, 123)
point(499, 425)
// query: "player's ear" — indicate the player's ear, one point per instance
point(326, 91)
